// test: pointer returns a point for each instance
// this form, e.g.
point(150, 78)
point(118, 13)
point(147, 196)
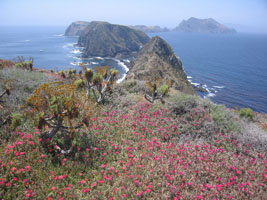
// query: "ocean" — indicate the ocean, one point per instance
point(233, 68)
point(49, 48)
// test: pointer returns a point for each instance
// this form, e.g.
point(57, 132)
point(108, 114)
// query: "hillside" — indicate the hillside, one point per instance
point(110, 40)
point(76, 28)
point(157, 60)
point(58, 142)
point(202, 26)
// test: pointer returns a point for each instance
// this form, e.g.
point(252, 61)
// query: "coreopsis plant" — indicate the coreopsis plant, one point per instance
point(61, 108)
point(156, 90)
point(98, 83)
point(5, 92)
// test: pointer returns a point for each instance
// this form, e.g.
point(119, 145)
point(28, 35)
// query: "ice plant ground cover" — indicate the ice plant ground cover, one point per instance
point(139, 154)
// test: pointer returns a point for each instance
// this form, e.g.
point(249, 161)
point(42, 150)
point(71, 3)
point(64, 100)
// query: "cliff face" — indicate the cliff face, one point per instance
point(109, 40)
point(150, 29)
point(202, 26)
point(157, 60)
point(76, 28)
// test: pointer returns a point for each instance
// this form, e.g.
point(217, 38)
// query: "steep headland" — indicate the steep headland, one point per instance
point(202, 26)
point(150, 29)
point(109, 40)
point(76, 28)
point(157, 60)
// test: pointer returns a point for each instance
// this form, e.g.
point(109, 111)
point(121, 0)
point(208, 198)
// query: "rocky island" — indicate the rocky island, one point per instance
point(76, 28)
point(109, 40)
point(150, 29)
point(202, 26)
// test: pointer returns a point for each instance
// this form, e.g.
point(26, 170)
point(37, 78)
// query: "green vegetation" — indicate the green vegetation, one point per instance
point(25, 65)
point(247, 113)
point(16, 119)
point(156, 92)
point(66, 144)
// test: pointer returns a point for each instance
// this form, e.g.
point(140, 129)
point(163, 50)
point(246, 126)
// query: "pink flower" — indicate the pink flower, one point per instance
point(103, 166)
point(86, 190)
point(209, 186)
point(100, 181)
point(139, 194)
point(82, 181)
point(53, 188)
point(93, 185)
point(124, 195)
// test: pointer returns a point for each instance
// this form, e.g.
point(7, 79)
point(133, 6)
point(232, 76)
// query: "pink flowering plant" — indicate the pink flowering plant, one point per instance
point(144, 153)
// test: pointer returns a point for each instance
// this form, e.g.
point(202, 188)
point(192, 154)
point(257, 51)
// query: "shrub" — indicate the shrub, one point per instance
point(100, 82)
point(224, 119)
point(155, 91)
point(79, 84)
point(16, 119)
point(62, 108)
point(181, 103)
point(247, 113)
point(27, 65)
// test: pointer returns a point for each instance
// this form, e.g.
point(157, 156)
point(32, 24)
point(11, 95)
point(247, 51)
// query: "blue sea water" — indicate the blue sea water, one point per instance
point(49, 48)
point(232, 67)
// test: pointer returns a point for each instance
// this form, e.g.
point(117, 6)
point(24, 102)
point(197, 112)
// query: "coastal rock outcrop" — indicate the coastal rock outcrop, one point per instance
point(76, 28)
point(109, 40)
point(202, 26)
point(157, 60)
point(150, 29)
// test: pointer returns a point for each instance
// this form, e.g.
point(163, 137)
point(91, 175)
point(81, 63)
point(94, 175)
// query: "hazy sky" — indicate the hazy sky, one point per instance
point(243, 14)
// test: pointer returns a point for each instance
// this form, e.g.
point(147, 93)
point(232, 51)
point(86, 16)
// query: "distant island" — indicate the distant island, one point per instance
point(150, 29)
point(202, 26)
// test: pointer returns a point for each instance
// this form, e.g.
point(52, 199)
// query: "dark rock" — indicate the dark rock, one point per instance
point(109, 40)
point(200, 89)
point(202, 26)
point(157, 60)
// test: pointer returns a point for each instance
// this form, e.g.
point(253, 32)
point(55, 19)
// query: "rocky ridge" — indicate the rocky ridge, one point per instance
point(76, 28)
point(157, 60)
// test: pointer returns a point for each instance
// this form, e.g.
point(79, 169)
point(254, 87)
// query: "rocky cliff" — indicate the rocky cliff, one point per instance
point(76, 28)
point(150, 29)
point(202, 26)
point(109, 40)
point(157, 60)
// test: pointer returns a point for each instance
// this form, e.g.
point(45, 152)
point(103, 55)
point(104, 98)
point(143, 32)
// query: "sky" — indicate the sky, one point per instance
point(244, 15)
